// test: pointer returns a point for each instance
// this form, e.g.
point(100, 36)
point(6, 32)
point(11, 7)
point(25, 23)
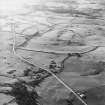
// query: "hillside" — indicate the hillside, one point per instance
point(69, 33)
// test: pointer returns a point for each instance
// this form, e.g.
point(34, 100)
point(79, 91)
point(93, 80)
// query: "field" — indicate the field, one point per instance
point(53, 48)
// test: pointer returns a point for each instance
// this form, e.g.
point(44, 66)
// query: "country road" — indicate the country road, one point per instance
point(52, 52)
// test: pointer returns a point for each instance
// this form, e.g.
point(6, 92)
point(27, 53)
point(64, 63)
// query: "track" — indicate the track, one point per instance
point(36, 65)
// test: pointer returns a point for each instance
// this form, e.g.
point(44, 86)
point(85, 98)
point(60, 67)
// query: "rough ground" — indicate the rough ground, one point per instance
point(69, 32)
